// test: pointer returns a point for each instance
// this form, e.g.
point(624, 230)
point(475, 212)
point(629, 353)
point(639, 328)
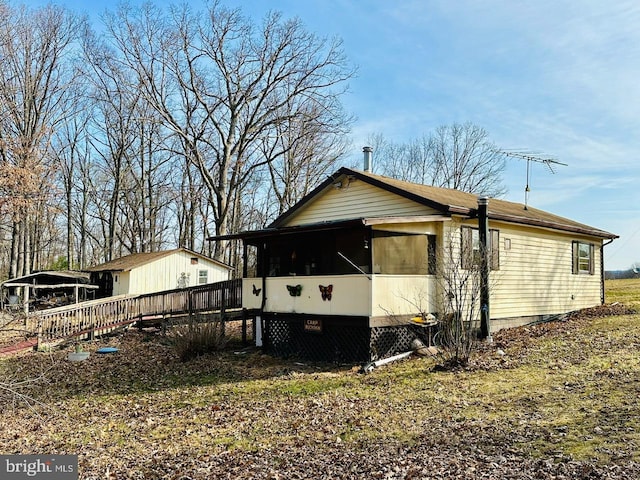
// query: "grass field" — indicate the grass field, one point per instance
point(625, 291)
point(557, 400)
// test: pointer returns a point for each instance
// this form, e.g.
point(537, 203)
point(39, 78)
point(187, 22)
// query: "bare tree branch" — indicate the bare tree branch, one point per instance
point(458, 156)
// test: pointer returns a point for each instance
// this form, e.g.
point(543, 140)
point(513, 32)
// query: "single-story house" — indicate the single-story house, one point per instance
point(151, 272)
point(340, 275)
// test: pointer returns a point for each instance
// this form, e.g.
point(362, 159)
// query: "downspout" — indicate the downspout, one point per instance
point(264, 278)
point(264, 334)
point(602, 299)
point(483, 230)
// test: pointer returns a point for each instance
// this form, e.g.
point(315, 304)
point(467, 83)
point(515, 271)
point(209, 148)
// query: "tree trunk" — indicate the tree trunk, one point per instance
point(15, 250)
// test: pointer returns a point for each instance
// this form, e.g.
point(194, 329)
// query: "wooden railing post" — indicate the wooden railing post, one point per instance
point(223, 308)
point(244, 326)
point(92, 326)
point(39, 340)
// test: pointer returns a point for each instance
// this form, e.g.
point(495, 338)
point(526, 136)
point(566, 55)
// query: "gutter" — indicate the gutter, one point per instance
point(553, 225)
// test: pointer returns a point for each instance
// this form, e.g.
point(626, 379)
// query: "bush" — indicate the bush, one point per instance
point(457, 337)
point(198, 337)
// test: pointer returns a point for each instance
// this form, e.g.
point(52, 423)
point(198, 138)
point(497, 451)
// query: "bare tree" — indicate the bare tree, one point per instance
point(85, 224)
point(466, 160)
point(462, 262)
point(114, 128)
point(223, 84)
point(187, 205)
point(458, 156)
point(68, 150)
point(303, 149)
point(34, 91)
point(459, 287)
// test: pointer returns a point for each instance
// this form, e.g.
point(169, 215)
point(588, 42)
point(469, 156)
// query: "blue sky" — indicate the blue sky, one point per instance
point(557, 77)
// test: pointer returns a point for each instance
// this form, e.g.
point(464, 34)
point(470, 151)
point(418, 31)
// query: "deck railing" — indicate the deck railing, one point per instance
point(103, 314)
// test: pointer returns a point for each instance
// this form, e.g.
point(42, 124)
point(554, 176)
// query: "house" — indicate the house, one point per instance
point(151, 272)
point(340, 275)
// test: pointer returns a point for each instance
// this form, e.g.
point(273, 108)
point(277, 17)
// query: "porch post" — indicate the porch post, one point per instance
point(483, 229)
point(26, 300)
point(244, 259)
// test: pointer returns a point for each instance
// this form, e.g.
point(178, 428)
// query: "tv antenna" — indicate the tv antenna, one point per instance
point(531, 157)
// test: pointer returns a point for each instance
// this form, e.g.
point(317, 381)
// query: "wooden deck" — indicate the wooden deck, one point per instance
point(99, 316)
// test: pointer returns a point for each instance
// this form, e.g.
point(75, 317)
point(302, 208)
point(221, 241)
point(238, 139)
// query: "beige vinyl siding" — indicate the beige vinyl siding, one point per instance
point(120, 283)
point(535, 276)
point(357, 200)
point(163, 273)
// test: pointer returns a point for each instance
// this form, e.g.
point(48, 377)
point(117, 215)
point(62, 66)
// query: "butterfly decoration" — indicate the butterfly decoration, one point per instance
point(294, 290)
point(256, 291)
point(326, 292)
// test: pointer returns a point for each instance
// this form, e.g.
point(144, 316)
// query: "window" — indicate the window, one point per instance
point(203, 277)
point(397, 253)
point(316, 253)
point(582, 258)
point(471, 254)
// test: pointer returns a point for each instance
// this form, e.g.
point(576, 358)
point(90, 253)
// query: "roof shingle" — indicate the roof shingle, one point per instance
point(451, 201)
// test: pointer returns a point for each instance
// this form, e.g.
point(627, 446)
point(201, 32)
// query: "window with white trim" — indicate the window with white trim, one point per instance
point(203, 277)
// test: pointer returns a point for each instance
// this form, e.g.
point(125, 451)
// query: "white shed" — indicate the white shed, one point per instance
point(151, 272)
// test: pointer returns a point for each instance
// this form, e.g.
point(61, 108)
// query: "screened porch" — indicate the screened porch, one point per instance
point(353, 270)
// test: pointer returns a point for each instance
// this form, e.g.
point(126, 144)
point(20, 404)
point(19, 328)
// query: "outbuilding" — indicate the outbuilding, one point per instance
point(46, 289)
point(152, 272)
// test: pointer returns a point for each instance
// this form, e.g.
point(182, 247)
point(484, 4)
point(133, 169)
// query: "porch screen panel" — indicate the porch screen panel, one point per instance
point(401, 255)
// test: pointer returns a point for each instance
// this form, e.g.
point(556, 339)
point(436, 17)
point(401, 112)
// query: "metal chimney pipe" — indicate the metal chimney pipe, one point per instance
point(367, 158)
point(485, 245)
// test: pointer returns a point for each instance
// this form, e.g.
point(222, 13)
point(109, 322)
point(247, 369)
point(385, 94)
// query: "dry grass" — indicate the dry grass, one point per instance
point(566, 391)
point(625, 291)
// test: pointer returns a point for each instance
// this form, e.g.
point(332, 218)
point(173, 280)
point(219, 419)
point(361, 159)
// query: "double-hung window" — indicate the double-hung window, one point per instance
point(583, 258)
point(471, 251)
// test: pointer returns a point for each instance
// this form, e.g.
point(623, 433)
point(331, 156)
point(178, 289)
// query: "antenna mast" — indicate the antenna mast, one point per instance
point(549, 162)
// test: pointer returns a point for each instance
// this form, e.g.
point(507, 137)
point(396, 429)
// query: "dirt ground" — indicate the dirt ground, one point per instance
point(556, 400)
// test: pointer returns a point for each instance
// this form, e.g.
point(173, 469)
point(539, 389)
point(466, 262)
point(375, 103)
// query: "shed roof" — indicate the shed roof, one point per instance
point(129, 262)
point(52, 279)
point(452, 202)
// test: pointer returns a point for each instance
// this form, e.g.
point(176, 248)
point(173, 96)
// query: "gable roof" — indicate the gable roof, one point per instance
point(451, 202)
point(129, 262)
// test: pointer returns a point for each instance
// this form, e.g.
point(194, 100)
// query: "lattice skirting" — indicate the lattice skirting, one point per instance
point(333, 339)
